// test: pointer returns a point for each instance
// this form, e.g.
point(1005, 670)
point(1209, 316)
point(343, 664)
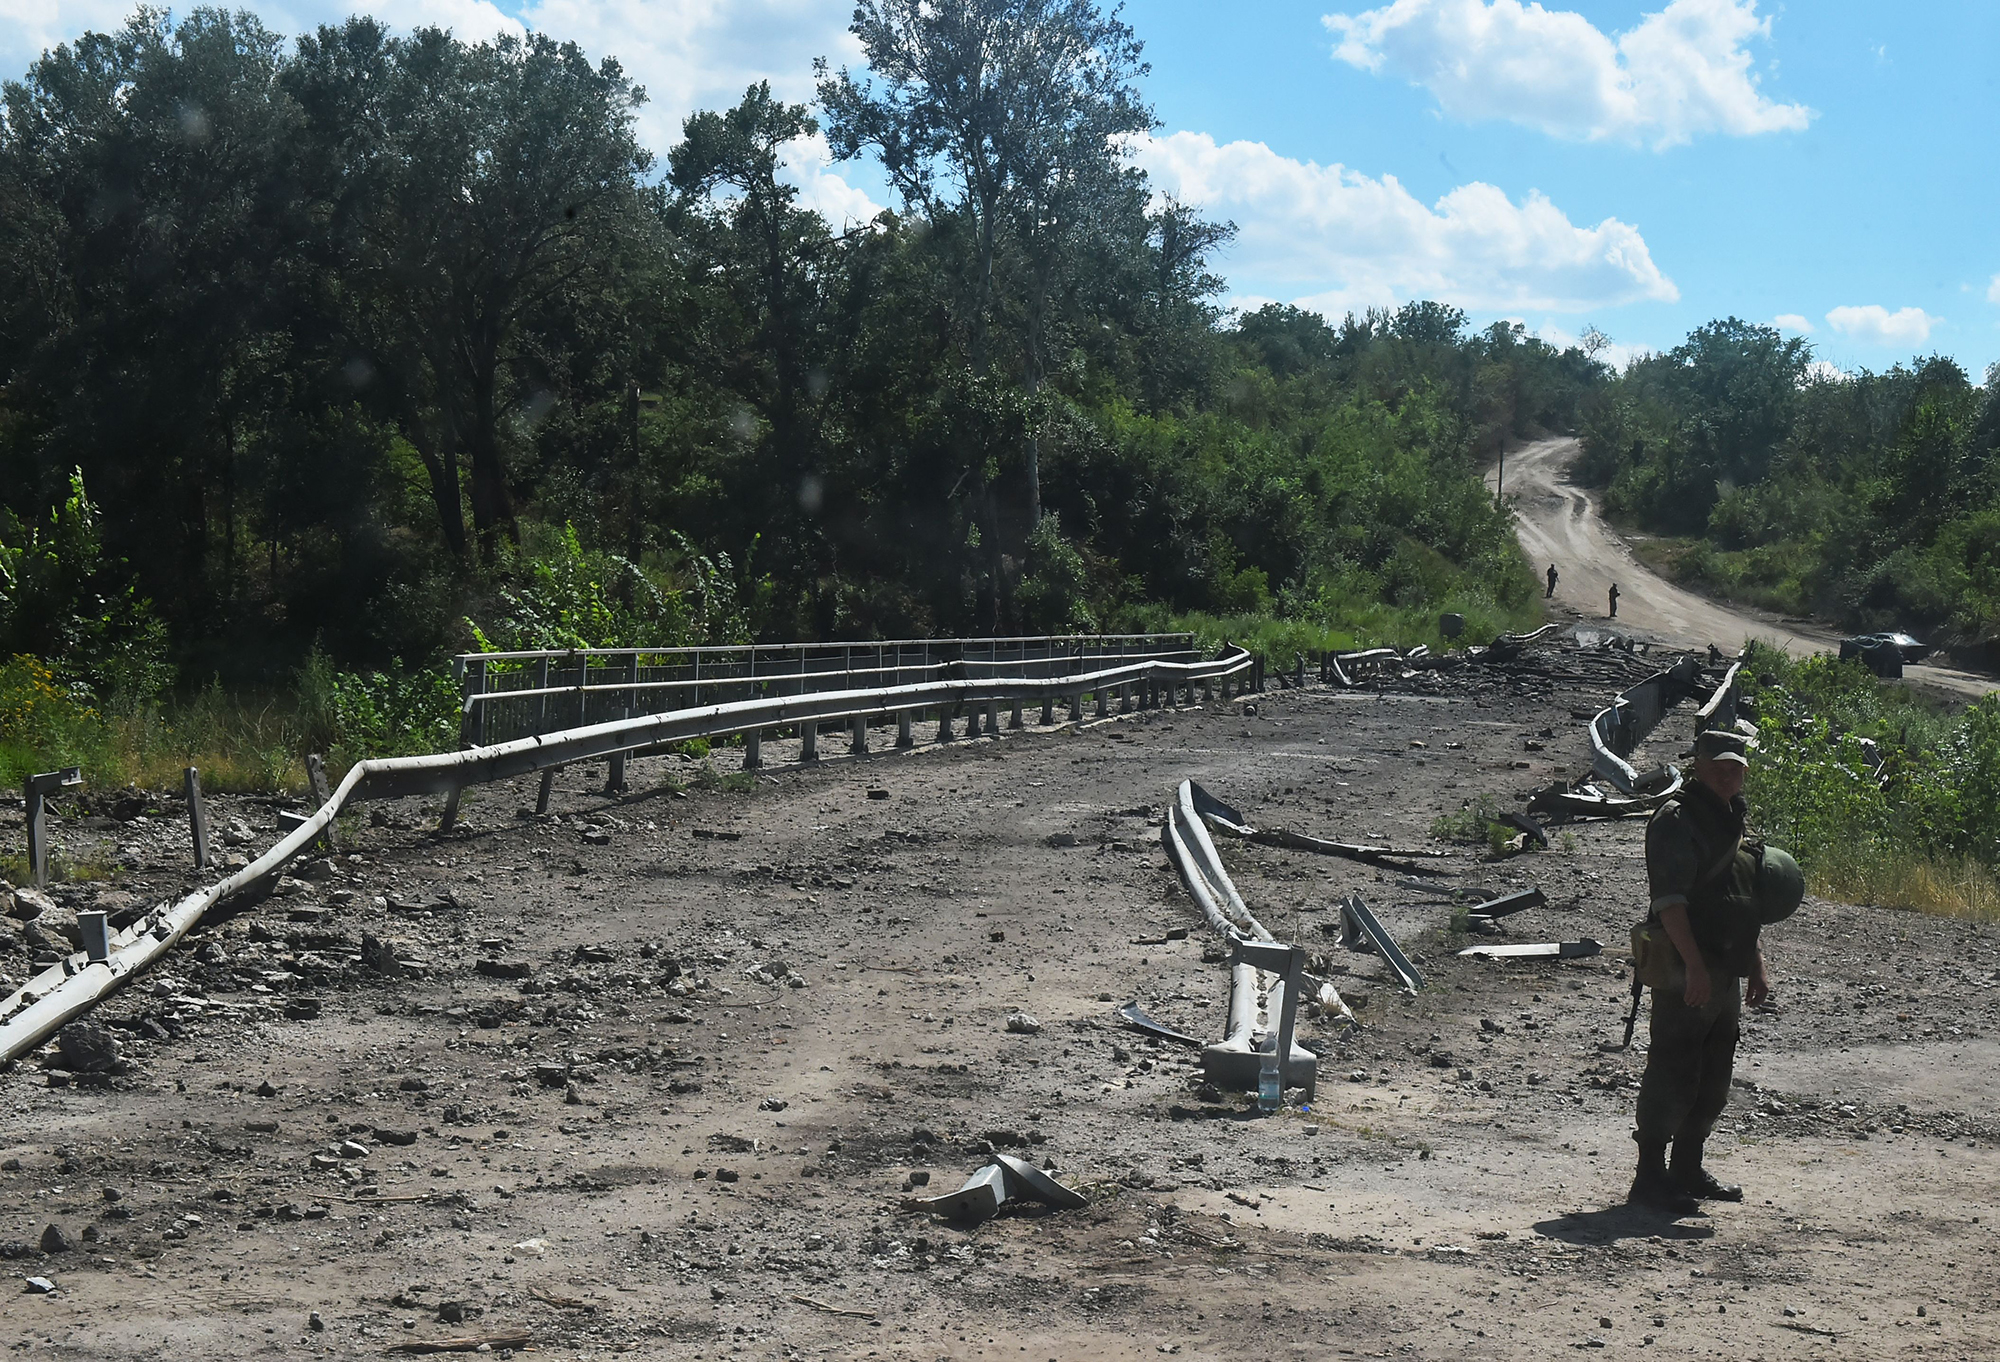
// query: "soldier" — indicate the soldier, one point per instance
point(1614, 600)
point(1711, 894)
point(1552, 581)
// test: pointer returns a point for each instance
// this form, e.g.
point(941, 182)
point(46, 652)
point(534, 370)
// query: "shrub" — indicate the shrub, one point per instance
point(45, 725)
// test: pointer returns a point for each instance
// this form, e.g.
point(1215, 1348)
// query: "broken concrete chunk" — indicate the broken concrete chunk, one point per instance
point(377, 956)
point(86, 1049)
point(1021, 1024)
point(504, 969)
point(30, 904)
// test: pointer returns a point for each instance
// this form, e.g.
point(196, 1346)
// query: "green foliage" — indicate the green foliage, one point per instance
point(567, 596)
point(353, 716)
point(1054, 595)
point(1871, 497)
point(1931, 807)
point(1476, 821)
point(388, 339)
point(45, 725)
point(62, 600)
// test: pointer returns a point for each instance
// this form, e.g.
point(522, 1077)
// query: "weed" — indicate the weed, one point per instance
point(94, 866)
point(1475, 821)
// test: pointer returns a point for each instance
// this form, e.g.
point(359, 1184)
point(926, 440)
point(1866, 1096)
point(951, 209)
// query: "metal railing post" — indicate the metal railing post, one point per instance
point(614, 782)
point(197, 816)
point(321, 792)
point(903, 735)
point(809, 740)
point(859, 729)
point(472, 712)
point(36, 790)
point(944, 723)
point(753, 749)
point(542, 700)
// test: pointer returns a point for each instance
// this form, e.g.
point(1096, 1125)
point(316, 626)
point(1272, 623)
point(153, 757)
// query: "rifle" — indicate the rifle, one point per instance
point(1632, 1017)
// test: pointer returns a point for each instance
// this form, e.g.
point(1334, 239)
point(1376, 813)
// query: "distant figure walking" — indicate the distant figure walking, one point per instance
point(1552, 581)
point(1614, 600)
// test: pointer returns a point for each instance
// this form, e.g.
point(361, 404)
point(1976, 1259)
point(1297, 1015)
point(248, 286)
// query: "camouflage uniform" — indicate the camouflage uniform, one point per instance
point(1695, 856)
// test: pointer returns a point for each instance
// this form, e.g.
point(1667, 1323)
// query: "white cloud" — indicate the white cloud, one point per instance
point(1993, 290)
point(688, 54)
point(703, 54)
point(29, 28)
point(808, 163)
point(1792, 321)
point(1680, 73)
point(1826, 371)
point(1340, 240)
point(1877, 325)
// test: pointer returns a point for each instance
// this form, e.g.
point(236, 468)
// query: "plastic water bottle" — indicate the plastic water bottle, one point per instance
point(1270, 1084)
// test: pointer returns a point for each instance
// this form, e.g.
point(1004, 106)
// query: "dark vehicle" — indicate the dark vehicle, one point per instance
point(1884, 654)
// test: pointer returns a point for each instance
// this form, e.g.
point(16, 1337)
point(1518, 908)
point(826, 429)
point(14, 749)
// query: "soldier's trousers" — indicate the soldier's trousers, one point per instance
point(1687, 1069)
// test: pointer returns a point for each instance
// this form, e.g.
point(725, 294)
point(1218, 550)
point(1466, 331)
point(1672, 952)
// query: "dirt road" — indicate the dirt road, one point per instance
point(1558, 522)
point(657, 1072)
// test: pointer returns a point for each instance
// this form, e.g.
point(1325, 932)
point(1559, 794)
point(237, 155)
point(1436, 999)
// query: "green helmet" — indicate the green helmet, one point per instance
point(1780, 886)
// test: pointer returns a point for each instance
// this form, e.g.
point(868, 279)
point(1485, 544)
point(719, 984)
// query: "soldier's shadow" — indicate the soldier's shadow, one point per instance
point(1620, 1222)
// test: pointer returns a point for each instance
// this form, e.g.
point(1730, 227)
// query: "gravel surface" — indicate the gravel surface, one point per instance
point(660, 1073)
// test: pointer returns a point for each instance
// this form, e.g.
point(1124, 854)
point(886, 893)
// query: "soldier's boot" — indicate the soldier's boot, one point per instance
point(1653, 1188)
point(1693, 1180)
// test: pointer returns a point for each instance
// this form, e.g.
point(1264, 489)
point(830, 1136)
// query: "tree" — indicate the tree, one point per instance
point(476, 184)
point(1005, 116)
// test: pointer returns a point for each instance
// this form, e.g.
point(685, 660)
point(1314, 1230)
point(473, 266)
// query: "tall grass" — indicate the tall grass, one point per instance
point(242, 741)
point(1890, 876)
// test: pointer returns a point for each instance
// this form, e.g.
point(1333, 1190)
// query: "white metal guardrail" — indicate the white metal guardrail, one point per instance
point(72, 987)
point(513, 695)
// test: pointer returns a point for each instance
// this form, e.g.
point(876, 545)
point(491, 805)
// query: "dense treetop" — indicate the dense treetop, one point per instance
point(339, 334)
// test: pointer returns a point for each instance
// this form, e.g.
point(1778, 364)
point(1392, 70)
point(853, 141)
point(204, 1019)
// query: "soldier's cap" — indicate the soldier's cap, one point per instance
point(1719, 744)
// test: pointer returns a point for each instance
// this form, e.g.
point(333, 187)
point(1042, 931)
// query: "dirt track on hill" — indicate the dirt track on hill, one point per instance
point(1558, 522)
point(562, 1138)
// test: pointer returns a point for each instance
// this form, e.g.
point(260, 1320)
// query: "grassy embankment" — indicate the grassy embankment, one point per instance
point(1920, 831)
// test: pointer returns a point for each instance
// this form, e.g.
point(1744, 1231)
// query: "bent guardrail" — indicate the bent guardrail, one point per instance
point(65, 991)
point(1618, 730)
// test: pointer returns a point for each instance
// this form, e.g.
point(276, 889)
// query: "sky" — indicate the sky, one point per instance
point(1643, 168)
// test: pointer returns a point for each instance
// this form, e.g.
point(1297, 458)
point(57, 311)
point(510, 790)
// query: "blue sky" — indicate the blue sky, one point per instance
point(1642, 168)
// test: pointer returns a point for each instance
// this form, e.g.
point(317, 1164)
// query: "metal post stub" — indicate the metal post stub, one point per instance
point(547, 788)
point(449, 818)
point(316, 779)
point(904, 738)
point(36, 790)
point(197, 816)
point(753, 749)
point(859, 729)
point(95, 929)
point(1357, 921)
point(809, 740)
